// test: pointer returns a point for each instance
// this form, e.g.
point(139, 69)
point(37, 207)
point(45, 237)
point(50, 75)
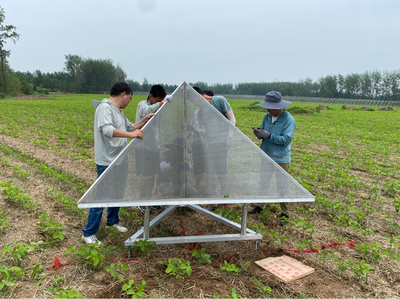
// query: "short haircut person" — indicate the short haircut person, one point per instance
point(119, 88)
point(157, 91)
point(198, 89)
point(209, 93)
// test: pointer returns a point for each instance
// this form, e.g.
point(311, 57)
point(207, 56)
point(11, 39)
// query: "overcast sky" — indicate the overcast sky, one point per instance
point(215, 41)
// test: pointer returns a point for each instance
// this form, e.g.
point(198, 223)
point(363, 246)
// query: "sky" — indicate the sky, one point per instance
point(213, 41)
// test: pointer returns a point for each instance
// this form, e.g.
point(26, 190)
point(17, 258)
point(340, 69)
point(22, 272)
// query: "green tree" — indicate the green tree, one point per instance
point(376, 84)
point(99, 75)
point(328, 87)
point(120, 75)
point(146, 85)
point(352, 86)
point(7, 32)
point(135, 85)
point(366, 86)
point(73, 66)
point(14, 86)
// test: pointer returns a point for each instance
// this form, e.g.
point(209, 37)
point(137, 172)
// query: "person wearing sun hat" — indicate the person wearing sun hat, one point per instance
point(276, 132)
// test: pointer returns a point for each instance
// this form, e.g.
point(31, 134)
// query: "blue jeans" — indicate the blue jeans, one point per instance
point(95, 214)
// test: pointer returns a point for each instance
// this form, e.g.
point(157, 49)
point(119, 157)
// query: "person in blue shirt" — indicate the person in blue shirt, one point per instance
point(276, 132)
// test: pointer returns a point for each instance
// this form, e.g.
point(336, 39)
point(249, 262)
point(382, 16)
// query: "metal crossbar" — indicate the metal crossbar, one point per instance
point(144, 232)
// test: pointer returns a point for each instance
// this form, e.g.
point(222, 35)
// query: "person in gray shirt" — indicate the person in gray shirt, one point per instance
point(111, 130)
point(147, 156)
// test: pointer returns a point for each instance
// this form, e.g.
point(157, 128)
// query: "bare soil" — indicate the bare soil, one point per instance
point(206, 281)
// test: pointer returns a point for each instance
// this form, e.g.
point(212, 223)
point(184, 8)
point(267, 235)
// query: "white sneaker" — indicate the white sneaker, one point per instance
point(119, 227)
point(91, 240)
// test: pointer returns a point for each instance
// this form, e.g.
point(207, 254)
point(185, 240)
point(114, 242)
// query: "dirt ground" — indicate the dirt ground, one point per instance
point(206, 281)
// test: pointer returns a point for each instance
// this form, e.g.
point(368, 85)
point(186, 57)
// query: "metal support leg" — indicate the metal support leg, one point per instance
point(146, 224)
point(245, 233)
point(244, 219)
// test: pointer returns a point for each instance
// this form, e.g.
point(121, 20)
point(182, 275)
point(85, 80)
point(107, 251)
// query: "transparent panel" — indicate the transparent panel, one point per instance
point(191, 153)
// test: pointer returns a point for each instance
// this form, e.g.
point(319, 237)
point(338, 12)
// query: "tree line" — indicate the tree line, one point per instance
point(374, 85)
point(81, 75)
point(97, 76)
point(87, 75)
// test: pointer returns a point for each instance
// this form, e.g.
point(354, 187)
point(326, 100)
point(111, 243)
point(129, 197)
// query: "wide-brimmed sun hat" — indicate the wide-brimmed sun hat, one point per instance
point(273, 100)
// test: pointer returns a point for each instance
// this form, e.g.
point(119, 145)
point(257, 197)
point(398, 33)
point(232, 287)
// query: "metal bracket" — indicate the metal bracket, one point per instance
point(144, 232)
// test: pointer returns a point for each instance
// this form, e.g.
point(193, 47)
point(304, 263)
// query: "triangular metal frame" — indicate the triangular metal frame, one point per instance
point(245, 234)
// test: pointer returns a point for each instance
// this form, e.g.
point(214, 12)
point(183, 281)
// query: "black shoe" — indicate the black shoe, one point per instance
point(156, 207)
point(256, 210)
point(284, 219)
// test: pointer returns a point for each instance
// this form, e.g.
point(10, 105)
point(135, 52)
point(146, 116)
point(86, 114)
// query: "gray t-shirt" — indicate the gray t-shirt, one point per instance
point(107, 118)
point(153, 140)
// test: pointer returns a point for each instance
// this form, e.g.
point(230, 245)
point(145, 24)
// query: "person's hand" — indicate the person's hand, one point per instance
point(143, 121)
point(147, 117)
point(168, 98)
point(137, 133)
point(260, 134)
point(165, 166)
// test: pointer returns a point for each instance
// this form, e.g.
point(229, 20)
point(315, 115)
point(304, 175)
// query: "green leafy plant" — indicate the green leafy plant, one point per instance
point(90, 254)
point(265, 214)
point(113, 271)
point(229, 214)
point(343, 265)
point(178, 267)
point(369, 251)
point(234, 294)
point(361, 269)
point(136, 292)
point(145, 247)
point(70, 204)
point(202, 256)
point(132, 215)
point(64, 293)
point(15, 194)
point(52, 229)
point(3, 221)
point(8, 275)
point(19, 252)
point(277, 236)
point(23, 174)
point(259, 228)
point(396, 203)
point(235, 270)
point(36, 272)
point(263, 289)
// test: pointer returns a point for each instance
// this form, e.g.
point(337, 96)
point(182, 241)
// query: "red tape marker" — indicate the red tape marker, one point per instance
point(57, 265)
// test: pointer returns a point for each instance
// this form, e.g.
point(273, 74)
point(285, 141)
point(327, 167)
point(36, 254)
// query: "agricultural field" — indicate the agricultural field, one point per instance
point(347, 157)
